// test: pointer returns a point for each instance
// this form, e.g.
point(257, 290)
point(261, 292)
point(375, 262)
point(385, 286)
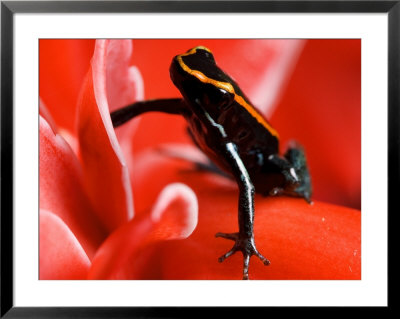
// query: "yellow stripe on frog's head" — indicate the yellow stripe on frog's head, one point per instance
point(199, 47)
point(225, 86)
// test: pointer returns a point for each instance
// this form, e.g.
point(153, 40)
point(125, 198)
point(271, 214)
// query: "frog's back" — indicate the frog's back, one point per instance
point(247, 128)
point(210, 92)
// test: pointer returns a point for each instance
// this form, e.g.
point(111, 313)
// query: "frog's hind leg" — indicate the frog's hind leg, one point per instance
point(170, 106)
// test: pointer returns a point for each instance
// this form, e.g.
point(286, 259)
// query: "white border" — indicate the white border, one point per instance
point(370, 291)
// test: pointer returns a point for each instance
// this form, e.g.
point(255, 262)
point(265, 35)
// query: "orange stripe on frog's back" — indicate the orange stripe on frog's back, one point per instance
point(227, 87)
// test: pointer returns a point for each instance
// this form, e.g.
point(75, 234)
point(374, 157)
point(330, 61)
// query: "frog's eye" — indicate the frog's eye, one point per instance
point(226, 100)
point(206, 54)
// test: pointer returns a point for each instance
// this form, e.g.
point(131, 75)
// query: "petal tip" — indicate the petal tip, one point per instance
point(178, 202)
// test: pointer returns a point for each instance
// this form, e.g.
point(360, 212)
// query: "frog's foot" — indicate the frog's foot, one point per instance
point(248, 248)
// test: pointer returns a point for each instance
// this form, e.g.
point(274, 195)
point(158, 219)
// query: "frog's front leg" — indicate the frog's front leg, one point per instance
point(170, 106)
point(244, 239)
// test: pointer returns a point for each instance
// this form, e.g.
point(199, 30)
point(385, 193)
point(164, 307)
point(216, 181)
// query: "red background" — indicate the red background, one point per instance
point(320, 107)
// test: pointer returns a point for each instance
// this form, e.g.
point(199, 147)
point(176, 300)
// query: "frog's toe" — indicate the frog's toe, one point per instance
point(229, 253)
point(265, 261)
point(246, 246)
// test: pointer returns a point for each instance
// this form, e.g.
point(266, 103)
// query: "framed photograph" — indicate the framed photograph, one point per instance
point(161, 157)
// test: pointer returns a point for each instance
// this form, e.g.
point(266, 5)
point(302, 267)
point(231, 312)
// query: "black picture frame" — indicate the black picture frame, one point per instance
point(9, 8)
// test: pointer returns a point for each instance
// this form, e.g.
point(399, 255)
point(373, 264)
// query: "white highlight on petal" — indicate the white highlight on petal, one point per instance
point(71, 139)
point(136, 77)
point(125, 132)
point(172, 193)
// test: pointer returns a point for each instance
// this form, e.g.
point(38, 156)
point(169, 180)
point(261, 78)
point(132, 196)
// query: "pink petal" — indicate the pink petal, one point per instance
point(124, 83)
point(175, 212)
point(124, 133)
point(67, 135)
point(61, 256)
point(123, 255)
point(104, 165)
point(120, 79)
point(62, 191)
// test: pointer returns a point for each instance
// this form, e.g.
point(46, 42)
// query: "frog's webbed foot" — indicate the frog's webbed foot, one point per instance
point(248, 248)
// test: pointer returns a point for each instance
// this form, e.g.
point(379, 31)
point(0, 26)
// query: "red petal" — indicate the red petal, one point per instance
point(303, 242)
point(319, 241)
point(62, 68)
point(124, 253)
point(325, 95)
point(61, 256)
point(62, 191)
point(104, 165)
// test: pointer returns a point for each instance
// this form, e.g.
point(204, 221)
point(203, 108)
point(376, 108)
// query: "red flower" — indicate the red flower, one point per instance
point(114, 207)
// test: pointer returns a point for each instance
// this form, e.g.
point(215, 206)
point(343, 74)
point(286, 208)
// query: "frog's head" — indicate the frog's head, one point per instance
point(201, 82)
point(297, 176)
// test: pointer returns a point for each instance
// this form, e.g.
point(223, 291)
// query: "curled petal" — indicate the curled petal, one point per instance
point(61, 256)
point(124, 254)
point(175, 212)
point(62, 191)
point(123, 83)
point(106, 173)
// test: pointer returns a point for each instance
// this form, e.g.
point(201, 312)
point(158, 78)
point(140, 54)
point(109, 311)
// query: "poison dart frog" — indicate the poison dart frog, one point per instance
point(234, 135)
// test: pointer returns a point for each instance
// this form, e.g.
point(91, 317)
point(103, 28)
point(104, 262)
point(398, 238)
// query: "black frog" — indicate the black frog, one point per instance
point(234, 135)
